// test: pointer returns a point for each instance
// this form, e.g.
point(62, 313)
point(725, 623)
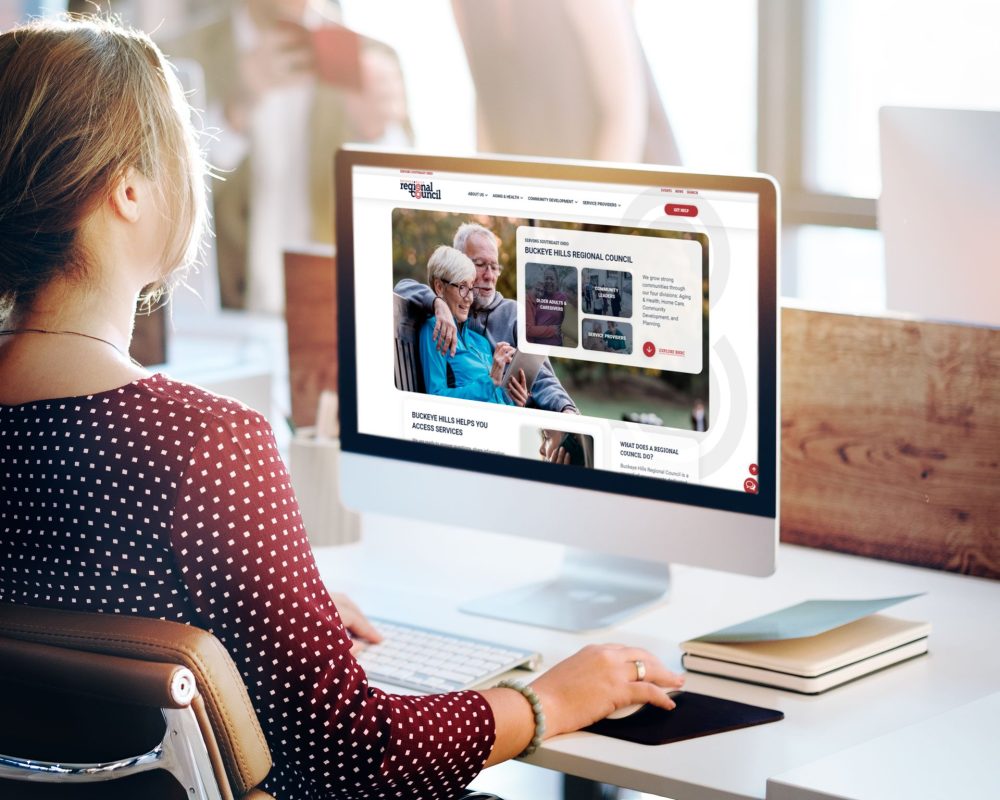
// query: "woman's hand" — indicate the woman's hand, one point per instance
point(600, 679)
point(502, 356)
point(517, 388)
point(559, 456)
point(445, 331)
point(577, 692)
point(356, 622)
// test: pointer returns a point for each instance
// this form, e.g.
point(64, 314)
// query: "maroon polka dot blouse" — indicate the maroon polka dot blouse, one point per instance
point(159, 499)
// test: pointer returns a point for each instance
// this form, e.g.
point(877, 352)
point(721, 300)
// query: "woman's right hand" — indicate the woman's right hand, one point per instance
point(502, 356)
point(597, 680)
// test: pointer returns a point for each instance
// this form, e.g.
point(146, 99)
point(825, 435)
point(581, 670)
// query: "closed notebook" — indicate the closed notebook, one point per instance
point(805, 685)
point(813, 664)
point(810, 656)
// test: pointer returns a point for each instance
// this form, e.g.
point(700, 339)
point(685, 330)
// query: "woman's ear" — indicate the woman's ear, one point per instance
point(128, 195)
point(438, 287)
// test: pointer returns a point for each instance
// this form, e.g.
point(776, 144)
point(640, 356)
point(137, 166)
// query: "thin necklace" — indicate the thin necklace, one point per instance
point(13, 331)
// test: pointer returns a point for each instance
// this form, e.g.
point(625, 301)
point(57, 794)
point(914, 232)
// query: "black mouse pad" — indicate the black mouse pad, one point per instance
point(695, 715)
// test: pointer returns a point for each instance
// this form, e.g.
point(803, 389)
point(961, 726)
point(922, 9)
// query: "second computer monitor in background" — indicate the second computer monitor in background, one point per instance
point(612, 385)
point(938, 212)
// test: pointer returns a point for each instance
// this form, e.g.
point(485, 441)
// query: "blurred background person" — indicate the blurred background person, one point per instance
point(564, 78)
point(280, 115)
point(699, 417)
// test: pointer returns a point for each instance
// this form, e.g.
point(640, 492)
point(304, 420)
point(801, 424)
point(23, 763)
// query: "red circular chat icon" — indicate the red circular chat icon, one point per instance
point(754, 469)
point(649, 349)
point(750, 486)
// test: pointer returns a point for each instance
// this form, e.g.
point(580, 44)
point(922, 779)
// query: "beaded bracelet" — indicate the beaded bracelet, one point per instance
point(536, 709)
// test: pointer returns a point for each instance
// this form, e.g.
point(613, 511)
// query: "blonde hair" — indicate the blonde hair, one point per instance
point(449, 265)
point(82, 101)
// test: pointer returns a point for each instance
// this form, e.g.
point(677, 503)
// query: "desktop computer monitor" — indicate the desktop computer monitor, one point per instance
point(938, 212)
point(635, 306)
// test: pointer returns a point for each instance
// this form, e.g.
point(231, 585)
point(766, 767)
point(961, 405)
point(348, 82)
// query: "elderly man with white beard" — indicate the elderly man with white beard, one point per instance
point(493, 315)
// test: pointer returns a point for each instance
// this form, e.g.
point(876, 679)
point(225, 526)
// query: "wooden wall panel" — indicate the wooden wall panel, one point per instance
point(311, 315)
point(891, 439)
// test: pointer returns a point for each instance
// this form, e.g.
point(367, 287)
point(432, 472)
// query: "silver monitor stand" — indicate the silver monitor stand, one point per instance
point(592, 591)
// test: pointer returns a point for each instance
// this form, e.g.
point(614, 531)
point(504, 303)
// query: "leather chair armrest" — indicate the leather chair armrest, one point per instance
point(123, 680)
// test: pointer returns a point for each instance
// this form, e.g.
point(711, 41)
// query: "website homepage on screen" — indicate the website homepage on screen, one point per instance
point(597, 326)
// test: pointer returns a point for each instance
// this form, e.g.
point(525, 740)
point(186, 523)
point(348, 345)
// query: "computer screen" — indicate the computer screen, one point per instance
point(938, 212)
point(615, 337)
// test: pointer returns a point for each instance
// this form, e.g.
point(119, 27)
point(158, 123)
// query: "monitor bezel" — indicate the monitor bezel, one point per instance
point(761, 504)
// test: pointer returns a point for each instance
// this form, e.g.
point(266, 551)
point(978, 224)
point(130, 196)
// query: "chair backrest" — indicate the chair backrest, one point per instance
point(407, 317)
point(97, 671)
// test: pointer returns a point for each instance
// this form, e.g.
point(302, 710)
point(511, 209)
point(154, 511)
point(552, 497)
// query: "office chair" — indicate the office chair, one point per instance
point(106, 705)
point(110, 706)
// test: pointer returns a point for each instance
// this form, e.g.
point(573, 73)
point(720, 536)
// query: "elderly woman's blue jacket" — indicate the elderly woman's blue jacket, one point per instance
point(465, 374)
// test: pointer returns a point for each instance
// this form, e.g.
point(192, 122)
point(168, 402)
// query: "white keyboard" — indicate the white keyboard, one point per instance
point(433, 661)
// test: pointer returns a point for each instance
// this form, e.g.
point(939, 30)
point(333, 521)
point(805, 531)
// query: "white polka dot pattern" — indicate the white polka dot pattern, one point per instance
point(159, 499)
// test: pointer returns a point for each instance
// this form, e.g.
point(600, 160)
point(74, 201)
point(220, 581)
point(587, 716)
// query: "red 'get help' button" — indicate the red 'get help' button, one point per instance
point(681, 210)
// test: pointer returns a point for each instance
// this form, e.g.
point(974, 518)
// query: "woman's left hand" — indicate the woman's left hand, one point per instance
point(517, 388)
point(356, 622)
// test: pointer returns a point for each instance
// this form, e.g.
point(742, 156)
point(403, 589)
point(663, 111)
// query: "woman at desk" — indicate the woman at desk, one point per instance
point(127, 492)
point(475, 370)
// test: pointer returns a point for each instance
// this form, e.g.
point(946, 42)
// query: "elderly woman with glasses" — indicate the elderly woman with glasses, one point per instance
point(475, 371)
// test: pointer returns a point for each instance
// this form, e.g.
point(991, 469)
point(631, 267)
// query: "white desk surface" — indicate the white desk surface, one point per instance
point(420, 573)
point(916, 761)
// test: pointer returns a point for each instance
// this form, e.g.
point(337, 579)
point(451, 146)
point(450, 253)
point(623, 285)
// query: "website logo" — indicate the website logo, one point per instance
point(420, 191)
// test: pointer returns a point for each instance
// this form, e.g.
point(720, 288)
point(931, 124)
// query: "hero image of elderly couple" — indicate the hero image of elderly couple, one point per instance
point(469, 337)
